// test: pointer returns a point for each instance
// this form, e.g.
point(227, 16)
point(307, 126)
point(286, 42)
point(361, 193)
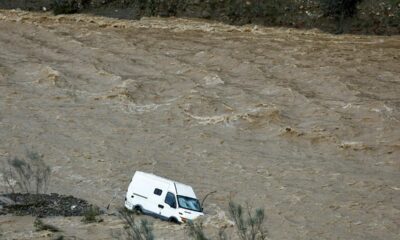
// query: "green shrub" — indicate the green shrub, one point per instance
point(340, 10)
point(66, 6)
point(379, 16)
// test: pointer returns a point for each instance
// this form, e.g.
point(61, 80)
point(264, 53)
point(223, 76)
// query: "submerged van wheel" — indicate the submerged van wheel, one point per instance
point(138, 210)
point(173, 220)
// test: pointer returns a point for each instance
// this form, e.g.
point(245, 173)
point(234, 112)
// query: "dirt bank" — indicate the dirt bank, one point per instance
point(372, 17)
point(42, 205)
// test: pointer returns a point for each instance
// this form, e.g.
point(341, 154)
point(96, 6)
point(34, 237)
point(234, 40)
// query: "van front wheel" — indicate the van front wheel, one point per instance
point(173, 220)
point(138, 210)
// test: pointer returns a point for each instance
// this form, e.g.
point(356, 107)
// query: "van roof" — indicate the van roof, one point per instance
point(184, 190)
point(152, 176)
point(181, 189)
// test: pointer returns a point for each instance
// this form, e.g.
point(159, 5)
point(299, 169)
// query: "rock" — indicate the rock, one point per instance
point(213, 79)
point(5, 201)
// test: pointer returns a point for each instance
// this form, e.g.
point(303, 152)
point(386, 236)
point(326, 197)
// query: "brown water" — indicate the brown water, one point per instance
point(302, 123)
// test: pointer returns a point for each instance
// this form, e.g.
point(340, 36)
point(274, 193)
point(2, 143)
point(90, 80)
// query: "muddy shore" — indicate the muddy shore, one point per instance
point(372, 17)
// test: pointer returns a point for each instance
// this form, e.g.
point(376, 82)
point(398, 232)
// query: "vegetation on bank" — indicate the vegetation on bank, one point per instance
point(41, 226)
point(25, 181)
point(65, 6)
point(29, 175)
point(91, 215)
point(339, 16)
point(336, 16)
point(134, 229)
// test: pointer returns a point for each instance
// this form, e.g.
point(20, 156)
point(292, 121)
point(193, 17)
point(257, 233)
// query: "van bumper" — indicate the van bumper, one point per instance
point(128, 205)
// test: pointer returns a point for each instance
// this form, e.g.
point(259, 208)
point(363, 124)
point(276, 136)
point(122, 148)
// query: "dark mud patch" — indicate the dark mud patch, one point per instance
point(42, 205)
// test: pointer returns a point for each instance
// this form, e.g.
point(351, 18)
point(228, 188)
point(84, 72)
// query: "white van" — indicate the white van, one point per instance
point(163, 198)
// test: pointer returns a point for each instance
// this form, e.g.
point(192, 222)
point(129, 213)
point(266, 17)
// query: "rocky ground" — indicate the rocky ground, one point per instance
point(301, 123)
point(42, 205)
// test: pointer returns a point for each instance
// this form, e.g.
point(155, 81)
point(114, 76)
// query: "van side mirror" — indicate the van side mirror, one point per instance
point(204, 199)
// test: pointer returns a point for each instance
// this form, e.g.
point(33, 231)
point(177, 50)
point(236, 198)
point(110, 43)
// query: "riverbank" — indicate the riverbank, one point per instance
point(372, 17)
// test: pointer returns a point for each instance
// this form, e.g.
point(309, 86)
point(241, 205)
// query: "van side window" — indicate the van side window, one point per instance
point(157, 191)
point(170, 200)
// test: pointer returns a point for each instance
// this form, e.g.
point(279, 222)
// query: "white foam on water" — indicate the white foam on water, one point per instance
point(213, 79)
point(228, 119)
point(217, 218)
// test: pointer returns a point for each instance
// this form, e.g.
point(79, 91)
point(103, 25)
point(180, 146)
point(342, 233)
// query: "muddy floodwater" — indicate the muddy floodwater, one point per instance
point(302, 123)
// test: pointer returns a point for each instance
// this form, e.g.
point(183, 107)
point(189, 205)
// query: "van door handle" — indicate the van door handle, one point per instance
point(160, 206)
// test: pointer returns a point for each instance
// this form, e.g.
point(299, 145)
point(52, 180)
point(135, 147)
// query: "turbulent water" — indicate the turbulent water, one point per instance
point(301, 123)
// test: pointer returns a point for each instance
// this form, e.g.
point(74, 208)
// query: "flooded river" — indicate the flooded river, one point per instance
point(302, 123)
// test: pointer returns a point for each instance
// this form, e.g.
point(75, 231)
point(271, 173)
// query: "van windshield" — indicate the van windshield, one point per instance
point(189, 203)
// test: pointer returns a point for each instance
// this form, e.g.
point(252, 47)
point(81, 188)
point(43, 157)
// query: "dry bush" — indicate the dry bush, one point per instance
point(135, 230)
point(248, 223)
point(91, 215)
point(195, 231)
point(41, 226)
point(31, 175)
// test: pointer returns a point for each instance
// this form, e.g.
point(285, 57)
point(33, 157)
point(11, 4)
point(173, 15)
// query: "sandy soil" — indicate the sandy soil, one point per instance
point(301, 123)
